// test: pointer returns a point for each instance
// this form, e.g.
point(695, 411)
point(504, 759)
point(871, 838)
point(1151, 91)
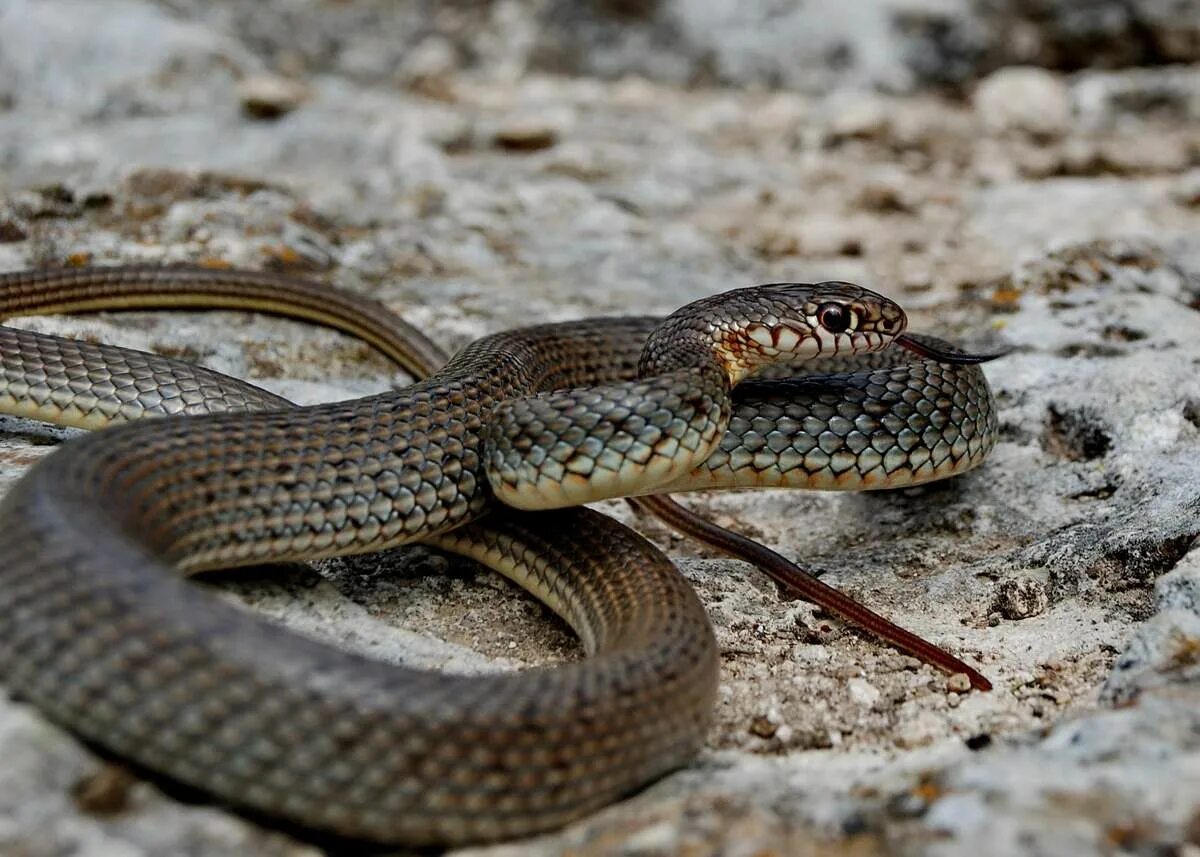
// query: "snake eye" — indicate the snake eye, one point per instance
point(836, 318)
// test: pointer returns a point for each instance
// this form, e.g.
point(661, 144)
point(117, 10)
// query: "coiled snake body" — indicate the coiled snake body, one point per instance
point(97, 631)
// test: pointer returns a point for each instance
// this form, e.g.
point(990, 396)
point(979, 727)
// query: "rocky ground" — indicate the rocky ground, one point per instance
point(1058, 212)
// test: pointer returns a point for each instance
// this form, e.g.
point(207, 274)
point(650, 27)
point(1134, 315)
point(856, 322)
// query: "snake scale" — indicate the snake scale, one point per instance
point(101, 631)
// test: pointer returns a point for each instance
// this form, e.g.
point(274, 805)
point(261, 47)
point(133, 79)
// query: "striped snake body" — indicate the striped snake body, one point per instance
point(103, 637)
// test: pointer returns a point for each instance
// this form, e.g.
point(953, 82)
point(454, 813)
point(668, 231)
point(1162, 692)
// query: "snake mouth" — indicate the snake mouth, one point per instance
point(942, 355)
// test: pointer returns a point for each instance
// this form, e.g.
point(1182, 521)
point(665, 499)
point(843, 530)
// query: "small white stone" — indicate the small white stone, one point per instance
point(267, 96)
point(433, 57)
point(1019, 98)
point(958, 683)
point(532, 131)
point(863, 692)
point(854, 115)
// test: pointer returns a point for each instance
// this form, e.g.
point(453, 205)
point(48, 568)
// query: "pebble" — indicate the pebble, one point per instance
point(958, 683)
point(863, 692)
point(1020, 598)
point(919, 730)
point(855, 116)
point(104, 791)
point(529, 133)
point(269, 96)
point(12, 229)
point(1023, 99)
point(766, 723)
point(432, 59)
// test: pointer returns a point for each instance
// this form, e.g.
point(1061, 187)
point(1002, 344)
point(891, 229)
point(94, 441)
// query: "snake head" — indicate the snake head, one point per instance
point(781, 323)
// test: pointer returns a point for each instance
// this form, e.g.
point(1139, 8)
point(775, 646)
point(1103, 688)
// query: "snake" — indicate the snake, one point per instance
point(105, 631)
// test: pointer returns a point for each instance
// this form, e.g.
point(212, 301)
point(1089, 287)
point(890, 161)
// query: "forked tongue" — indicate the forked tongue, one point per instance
point(942, 355)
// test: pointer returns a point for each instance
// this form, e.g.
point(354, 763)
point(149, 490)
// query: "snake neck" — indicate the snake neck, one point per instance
point(610, 434)
point(728, 345)
point(687, 343)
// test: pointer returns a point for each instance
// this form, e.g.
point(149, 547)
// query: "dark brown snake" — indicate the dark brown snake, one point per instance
point(101, 633)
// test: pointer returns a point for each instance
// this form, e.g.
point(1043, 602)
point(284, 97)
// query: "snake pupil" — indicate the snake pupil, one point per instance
point(834, 318)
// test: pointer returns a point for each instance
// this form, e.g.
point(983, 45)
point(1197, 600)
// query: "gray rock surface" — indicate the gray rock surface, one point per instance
point(470, 202)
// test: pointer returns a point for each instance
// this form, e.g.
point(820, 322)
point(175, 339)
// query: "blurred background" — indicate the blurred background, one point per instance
point(920, 145)
point(808, 45)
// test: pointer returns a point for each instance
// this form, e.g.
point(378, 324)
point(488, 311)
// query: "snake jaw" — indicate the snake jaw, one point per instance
point(849, 342)
point(741, 351)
